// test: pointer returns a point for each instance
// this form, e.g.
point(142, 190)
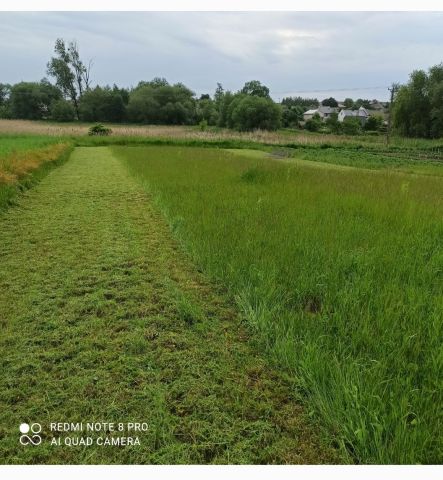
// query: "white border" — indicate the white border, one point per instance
point(223, 472)
point(222, 5)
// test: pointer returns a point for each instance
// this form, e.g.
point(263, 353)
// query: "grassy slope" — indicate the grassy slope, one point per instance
point(103, 319)
point(340, 272)
point(25, 160)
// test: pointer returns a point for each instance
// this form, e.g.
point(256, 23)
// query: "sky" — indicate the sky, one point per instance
point(312, 54)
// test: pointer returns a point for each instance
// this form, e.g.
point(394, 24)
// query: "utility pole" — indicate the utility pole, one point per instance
point(393, 89)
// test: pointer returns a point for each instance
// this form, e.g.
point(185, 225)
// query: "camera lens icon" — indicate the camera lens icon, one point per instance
point(34, 438)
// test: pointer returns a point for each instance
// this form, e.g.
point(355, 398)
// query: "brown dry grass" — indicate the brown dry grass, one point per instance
point(172, 132)
point(17, 164)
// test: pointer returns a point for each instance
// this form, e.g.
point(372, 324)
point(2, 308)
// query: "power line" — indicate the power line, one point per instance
point(351, 89)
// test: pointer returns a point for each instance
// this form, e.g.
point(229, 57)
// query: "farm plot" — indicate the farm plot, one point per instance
point(104, 319)
point(338, 271)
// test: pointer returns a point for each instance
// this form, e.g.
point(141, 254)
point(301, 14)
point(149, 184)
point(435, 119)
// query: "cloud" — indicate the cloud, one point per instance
point(288, 51)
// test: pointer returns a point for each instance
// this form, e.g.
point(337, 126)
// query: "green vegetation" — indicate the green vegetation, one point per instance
point(104, 319)
point(26, 160)
point(338, 271)
point(99, 130)
point(418, 106)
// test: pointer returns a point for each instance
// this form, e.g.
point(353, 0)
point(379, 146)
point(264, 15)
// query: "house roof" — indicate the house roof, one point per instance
point(311, 112)
point(326, 109)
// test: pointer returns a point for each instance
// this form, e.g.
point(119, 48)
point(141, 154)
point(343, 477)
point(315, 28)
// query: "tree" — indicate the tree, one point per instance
point(224, 108)
point(32, 100)
point(348, 103)
point(206, 110)
point(292, 115)
point(62, 111)
point(411, 112)
point(250, 112)
point(5, 92)
point(373, 123)
point(255, 88)
point(71, 74)
point(330, 102)
point(351, 126)
point(360, 102)
point(333, 124)
point(314, 124)
point(304, 103)
point(158, 102)
point(102, 104)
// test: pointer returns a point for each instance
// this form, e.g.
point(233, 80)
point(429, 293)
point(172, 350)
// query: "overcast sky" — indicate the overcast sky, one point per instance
point(292, 53)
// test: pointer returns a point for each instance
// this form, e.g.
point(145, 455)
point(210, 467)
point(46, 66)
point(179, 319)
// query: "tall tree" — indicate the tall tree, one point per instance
point(71, 74)
point(255, 88)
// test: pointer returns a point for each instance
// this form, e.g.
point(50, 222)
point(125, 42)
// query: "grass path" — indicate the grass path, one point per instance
point(103, 319)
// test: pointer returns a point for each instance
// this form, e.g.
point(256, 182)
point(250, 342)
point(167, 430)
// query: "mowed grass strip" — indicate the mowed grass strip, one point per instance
point(340, 271)
point(104, 320)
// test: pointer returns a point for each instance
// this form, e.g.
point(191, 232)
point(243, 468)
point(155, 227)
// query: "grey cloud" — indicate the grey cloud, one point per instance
point(288, 51)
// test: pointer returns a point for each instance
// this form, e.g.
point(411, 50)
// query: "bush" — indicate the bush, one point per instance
point(314, 124)
point(99, 129)
point(351, 126)
point(249, 112)
point(62, 111)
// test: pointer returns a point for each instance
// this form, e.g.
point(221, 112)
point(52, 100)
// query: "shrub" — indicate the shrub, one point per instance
point(99, 129)
point(249, 112)
point(314, 124)
point(351, 126)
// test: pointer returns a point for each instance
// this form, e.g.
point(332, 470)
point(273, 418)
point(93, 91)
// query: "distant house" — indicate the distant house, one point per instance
point(323, 111)
point(361, 114)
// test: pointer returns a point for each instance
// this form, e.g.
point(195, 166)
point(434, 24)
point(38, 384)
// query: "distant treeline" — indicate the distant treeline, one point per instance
point(418, 106)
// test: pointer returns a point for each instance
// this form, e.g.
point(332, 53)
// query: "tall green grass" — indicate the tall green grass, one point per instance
point(340, 273)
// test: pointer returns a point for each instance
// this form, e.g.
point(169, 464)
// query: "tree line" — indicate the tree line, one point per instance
point(417, 110)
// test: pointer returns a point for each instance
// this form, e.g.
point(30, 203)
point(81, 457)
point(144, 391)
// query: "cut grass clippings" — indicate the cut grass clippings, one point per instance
point(105, 320)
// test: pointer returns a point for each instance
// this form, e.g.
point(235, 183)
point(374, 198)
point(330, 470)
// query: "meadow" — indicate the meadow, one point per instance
point(339, 273)
point(261, 298)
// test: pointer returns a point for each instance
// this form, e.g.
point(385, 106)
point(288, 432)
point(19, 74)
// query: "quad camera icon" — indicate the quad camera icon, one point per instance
point(30, 434)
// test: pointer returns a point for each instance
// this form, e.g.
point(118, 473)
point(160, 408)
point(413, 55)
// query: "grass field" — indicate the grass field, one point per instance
point(338, 270)
point(270, 304)
point(104, 320)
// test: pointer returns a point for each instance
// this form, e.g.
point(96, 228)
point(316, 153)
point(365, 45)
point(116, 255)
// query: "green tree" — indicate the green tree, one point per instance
point(224, 106)
point(351, 126)
point(250, 112)
point(330, 102)
point(102, 104)
point(349, 103)
point(62, 111)
point(70, 73)
point(360, 102)
point(5, 92)
point(333, 124)
point(207, 111)
point(412, 107)
point(292, 115)
point(374, 123)
point(314, 124)
point(304, 103)
point(435, 87)
point(32, 100)
point(158, 102)
point(255, 88)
